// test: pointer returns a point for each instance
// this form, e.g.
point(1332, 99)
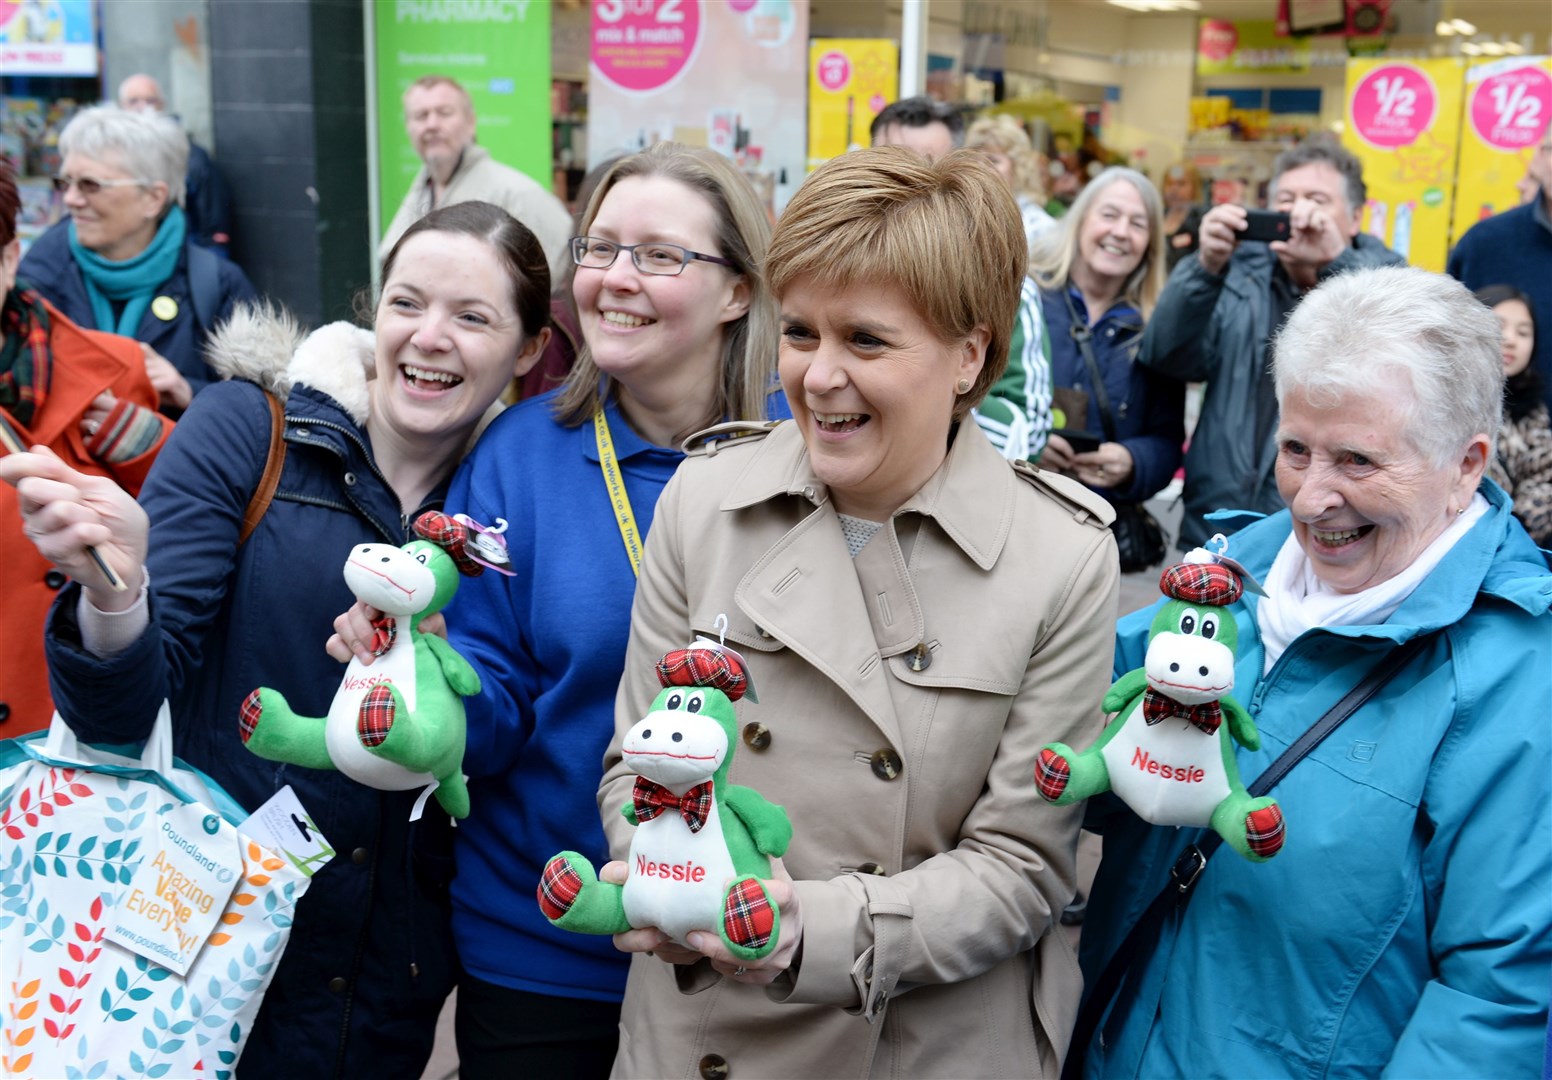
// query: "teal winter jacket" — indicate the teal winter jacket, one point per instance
point(1406, 927)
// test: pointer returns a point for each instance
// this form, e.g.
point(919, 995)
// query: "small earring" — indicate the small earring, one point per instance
point(962, 387)
point(1461, 511)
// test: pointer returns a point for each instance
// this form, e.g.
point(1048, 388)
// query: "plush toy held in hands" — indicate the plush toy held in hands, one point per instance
point(1168, 752)
point(702, 846)
point(398, 724)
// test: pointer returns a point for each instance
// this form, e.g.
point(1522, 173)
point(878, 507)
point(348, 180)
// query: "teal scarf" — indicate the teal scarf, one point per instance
point(133, 281)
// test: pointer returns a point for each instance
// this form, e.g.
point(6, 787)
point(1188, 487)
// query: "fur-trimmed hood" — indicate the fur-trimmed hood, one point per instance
point(263, 343)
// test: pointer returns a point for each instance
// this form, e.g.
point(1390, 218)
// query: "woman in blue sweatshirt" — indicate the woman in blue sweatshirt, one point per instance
point(680, 334)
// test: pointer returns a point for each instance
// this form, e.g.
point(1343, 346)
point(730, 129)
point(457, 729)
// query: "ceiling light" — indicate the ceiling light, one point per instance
point(1514, 48)
point(1471, 48)
point(1462, 27)
point(1493, 48)
point(1442, 28)
point(1157, 5)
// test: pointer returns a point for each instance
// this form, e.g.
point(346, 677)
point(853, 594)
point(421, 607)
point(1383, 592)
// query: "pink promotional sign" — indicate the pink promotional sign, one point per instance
point(1511, 109)
point(642, 46)
point(833, 71)
point(1393, 105)
point(1217, 40)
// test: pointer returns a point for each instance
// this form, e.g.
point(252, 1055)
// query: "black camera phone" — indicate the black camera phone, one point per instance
point(1266, 225)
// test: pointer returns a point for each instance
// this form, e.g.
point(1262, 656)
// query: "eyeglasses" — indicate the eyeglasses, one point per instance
point(90, 186)
point(667, 259)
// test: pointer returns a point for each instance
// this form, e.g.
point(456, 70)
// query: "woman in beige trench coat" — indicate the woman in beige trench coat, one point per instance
point(918, 616)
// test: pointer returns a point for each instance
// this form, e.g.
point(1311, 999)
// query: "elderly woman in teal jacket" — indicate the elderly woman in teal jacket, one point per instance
point(1406, 926)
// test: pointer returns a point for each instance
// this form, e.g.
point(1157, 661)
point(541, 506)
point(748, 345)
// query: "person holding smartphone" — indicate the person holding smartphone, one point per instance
point(1216, 317)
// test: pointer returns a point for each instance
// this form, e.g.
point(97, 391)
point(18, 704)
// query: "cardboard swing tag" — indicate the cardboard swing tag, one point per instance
point(180, 889)
point(283, 826)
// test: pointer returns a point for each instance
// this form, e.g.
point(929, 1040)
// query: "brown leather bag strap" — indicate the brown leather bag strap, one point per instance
point(270, 480)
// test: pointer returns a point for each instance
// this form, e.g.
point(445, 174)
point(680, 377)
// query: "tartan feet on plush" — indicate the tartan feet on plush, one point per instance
point(374, 720)
point(749, 920)
point(1264, 831)
point(248, 715)
point(1052, 771)
point(559, 887)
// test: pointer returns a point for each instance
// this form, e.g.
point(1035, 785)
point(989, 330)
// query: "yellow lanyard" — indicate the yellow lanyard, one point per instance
point(618, 497)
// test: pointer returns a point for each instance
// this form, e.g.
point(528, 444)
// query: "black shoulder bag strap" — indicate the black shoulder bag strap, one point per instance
point(1187, 870)
point(1083, 336)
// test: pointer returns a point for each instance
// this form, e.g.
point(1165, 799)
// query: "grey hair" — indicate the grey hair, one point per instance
point(1373, 332)
point(1056, 251)
point(1323, 149)
point(151, 146)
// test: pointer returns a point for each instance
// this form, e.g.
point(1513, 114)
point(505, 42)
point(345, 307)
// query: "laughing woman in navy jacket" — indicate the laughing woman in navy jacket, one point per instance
point(122, 262)
point(1103, 270)
point(374, 426)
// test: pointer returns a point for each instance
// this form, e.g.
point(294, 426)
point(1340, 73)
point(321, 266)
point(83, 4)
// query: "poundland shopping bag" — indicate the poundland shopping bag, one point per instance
point(138, 926)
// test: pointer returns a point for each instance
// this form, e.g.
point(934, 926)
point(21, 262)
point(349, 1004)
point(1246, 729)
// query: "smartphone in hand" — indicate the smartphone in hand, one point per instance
point(1266, 225)
point(1082, 442)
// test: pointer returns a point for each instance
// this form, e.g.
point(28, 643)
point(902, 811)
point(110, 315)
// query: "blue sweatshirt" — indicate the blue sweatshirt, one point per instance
point(549, 647)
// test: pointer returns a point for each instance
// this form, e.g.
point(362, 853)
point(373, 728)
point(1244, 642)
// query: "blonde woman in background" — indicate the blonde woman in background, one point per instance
point(1099, 277)
point(1001, 139)
point(1027, 381)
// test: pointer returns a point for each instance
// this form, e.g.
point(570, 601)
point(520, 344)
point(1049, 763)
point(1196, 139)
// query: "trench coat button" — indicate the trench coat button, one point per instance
point(338, 985)
point(763, 632)
point(350, 479)
point(919, 658)
point(55, 579)
point(872, 868)
point(757, 736)
point(359, 856)
point(714, 1067)
point(887, 764)
point(5, 712)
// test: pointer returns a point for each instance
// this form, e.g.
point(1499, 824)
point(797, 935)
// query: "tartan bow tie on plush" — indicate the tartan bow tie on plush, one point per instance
point(1156, 707)
point(652, 799)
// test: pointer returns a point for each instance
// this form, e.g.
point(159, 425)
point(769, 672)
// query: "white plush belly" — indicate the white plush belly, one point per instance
point(1171, 773)
point(396, 666)
point(677, 878)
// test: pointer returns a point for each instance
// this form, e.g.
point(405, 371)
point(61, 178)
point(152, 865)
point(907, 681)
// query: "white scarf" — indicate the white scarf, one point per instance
point(1297, 600)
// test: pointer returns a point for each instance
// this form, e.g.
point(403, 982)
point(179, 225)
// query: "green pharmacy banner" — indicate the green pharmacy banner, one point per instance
point(498, 49)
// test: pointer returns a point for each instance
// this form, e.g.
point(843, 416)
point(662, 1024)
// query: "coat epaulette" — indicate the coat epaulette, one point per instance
point(707, 442)
point(1083, 504)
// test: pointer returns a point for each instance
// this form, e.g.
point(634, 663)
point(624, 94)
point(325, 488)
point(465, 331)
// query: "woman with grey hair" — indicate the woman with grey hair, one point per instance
point(1404, 927)
point(122, 261)
point(1121, 426)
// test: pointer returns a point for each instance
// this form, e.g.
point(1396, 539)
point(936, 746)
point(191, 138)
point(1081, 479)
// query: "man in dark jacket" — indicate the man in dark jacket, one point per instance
point(1515, 248)
point(1216, 318)
point(207, 204)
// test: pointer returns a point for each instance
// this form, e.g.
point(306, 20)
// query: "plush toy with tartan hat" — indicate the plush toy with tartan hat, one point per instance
point(702, 846)
point(1169, 751)
point(398, 724)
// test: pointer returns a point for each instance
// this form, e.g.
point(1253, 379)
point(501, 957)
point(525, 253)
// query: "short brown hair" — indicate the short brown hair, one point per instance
point(946, 233)
point(515, 247)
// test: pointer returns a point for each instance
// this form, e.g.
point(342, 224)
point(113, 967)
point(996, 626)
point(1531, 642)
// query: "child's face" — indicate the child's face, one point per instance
point(1519, 337)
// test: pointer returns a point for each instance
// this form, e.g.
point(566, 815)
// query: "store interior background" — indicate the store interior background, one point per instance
point(278, 91)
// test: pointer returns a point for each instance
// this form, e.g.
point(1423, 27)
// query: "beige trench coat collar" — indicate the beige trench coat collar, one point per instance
point(854, 618)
